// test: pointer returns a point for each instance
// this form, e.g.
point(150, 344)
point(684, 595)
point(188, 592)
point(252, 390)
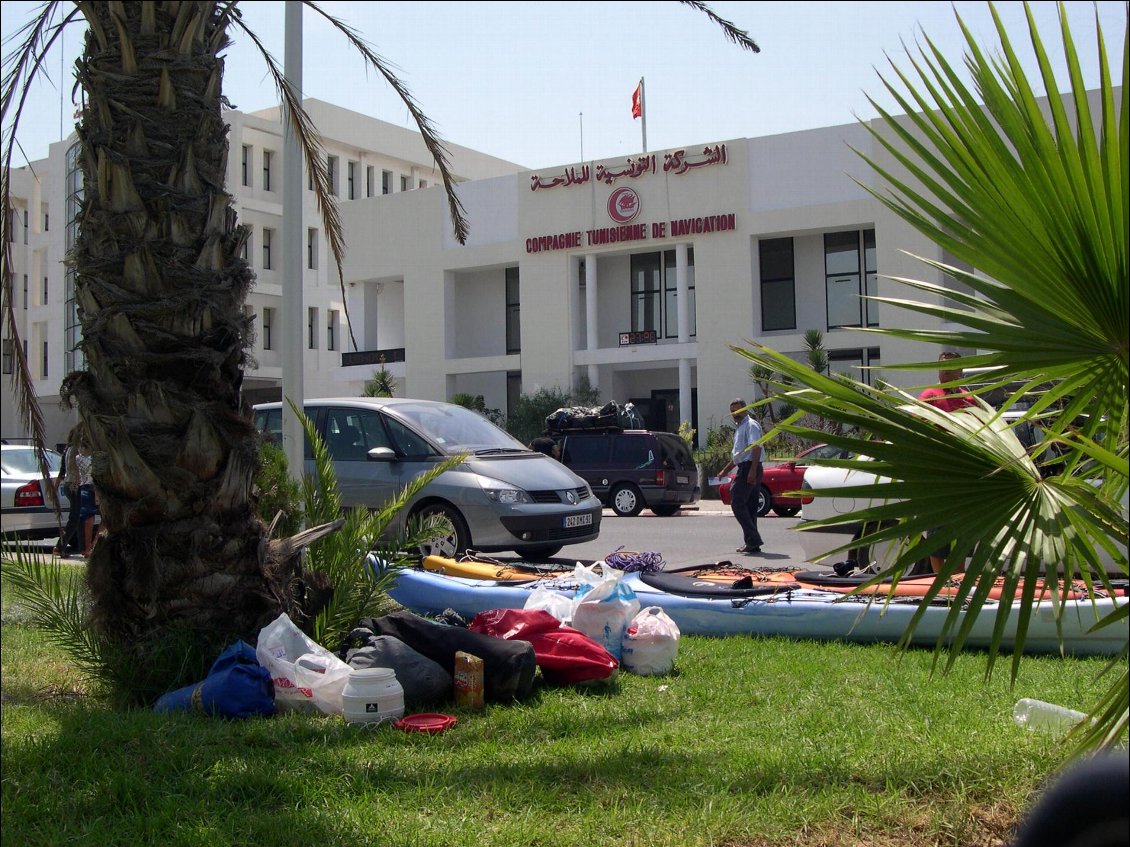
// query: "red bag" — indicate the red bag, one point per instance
point(565, 655)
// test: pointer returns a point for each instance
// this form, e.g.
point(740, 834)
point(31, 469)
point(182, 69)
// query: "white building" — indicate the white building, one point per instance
point(638, 273)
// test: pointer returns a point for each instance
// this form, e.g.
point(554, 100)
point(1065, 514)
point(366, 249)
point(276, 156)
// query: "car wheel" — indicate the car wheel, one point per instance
point(786, 511)
point(664, 511)
point(625, 500)
point(452, 544)
point(764, 501)
point(540, 554)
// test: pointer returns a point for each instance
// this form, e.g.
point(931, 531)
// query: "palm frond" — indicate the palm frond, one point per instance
point(732, 33)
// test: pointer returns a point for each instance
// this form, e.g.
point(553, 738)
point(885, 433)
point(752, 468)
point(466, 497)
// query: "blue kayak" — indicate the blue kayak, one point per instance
point(793, 612)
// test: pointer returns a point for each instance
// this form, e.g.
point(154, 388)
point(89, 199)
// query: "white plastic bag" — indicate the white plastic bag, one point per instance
point(650, 643)
point(557, 604)
point(307, 676)
point(603, 606)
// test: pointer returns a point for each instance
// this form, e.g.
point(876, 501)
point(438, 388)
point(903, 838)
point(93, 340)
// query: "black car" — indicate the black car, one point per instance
point(629, 469)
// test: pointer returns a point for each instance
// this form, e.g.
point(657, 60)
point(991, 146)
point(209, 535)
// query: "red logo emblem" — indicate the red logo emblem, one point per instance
point(623, 205)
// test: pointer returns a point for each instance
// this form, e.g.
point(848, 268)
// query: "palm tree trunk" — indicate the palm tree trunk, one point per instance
point(160, 289)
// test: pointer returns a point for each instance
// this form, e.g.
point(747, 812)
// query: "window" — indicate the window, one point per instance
point(331, 329)
point(312, 329)
point(45, 284)
point(46, 221)
point(351, 180)
point(25, 226)
point(245, 172)
point(25, 291)
point(370, 177)
point(859, 364)
point(848, 279)
point(646, 304)
point(871, 278)
point(312, 248)
point(513, 313)
point(386, 182)
point(8, 365)
point(43, 373)
point(268, 237)
point(842, 278)
point(671, 294)
point(423, 183)
point(331, 171)
point(778, 284)
point(405, 183)
point(268, 322)
point(268, 156)
point(245, 250)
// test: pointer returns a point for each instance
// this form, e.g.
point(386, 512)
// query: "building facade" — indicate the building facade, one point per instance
point(639, 274)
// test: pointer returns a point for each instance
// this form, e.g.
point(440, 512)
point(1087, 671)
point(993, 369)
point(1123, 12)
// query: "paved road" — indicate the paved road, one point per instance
point(693, 537)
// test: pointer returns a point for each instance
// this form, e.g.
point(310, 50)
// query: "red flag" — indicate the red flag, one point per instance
point(637, 101)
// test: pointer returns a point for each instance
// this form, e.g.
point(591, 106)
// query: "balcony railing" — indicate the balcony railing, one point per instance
point(372, 357)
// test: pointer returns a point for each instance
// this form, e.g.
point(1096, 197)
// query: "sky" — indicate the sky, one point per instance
point(543, 84)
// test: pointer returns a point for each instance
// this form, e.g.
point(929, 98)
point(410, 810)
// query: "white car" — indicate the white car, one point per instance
point(26, 510)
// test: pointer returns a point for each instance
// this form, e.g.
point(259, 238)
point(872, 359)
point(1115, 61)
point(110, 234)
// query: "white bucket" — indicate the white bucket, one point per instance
point(372, 695)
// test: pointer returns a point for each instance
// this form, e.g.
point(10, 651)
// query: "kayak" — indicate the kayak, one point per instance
point(780, 608)
point(917, 586)
point(491, 569)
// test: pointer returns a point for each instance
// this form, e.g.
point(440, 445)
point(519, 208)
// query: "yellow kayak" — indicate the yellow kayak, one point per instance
point(471, 568)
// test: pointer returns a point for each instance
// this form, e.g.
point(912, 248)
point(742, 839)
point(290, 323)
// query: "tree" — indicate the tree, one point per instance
point(383, 383)
point(1033, 196)
point(160, 288)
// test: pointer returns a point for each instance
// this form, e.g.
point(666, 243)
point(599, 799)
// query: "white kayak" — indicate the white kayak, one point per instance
point(801, 613)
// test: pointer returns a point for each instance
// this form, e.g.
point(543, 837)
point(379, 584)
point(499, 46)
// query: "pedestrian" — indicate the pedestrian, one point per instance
point(545, 444)
point(88, 499)
point(68, 482)
point(948, 396)
point(746, 457)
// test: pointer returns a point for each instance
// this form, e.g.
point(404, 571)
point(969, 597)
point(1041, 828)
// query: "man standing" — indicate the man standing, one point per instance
point(746, 457)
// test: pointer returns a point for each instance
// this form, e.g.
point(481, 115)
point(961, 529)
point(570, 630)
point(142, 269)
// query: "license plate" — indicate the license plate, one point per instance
point(682, 480)
point(578, 520)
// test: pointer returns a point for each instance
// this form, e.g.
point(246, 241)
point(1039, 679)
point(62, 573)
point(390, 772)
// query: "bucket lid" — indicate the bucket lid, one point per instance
point(428, 722)
point(372, 674)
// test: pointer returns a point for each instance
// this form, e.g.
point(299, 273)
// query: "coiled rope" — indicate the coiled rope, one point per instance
point(630, 561)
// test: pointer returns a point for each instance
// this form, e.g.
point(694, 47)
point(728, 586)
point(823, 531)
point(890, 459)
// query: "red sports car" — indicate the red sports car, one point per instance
point(778, 480)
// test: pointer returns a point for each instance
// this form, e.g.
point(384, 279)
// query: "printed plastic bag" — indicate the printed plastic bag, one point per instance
point(554, 602)
point(650, 643)
point(307, 676)
point(603, 606)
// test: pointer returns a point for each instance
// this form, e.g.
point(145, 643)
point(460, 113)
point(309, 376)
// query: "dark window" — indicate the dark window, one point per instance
point(331, 330)
point(370, 174)
point(386, 182)
point(671, 294)
point(44, 373)
point(859, 364)
point(351, 433)
point(312, 329)
point(331, 171)
point(513, 312)
point(778, 284)
point(406, 442)
point(405, 183)
point(268, 237)
point(646, 292)
point(267, 157)
point(311, 248)
point(632, 451)
point(8, 364)
point(582, 452)
point(351, 179)
point(45, 285)
point(872, 276)
point(245, 172)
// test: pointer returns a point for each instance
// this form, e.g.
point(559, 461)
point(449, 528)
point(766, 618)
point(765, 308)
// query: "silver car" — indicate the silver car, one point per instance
point(503, 497)
point(26, 510)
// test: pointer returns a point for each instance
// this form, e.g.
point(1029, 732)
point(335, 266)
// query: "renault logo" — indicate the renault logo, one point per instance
point(571, 497)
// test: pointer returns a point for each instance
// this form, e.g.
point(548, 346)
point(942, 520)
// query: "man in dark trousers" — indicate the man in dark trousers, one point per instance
point(746, 457)
point(70, 542)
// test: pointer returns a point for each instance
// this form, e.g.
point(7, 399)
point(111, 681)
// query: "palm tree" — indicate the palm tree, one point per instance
point(160, 288)
point(1033, 196)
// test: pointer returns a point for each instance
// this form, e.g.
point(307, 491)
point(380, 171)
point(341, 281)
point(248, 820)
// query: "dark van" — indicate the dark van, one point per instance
point(629, 469)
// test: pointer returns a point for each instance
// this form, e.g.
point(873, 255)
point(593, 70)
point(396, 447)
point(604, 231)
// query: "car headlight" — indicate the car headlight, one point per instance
point(498, 493)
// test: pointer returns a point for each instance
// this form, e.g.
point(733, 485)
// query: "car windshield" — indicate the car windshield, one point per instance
point(24, 462)
point(458, 430)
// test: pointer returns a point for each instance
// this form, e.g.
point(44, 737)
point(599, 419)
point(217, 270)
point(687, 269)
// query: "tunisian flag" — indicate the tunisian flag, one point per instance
point(637, 101)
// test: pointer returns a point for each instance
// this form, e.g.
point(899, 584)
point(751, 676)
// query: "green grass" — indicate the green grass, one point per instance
point(750, 742)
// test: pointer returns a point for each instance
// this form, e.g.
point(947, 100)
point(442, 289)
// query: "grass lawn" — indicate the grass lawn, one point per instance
point(751, 742)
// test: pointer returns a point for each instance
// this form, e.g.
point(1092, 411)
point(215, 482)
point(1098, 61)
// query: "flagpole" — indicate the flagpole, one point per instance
point(643, 115)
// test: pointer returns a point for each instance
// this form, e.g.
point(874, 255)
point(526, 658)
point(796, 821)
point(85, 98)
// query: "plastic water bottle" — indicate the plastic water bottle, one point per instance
point(1045, 717)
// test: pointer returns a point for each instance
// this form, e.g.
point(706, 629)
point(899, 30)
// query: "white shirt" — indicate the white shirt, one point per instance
point(747, 434)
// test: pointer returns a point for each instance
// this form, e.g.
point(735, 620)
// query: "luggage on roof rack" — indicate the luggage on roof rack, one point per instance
point(609, 416)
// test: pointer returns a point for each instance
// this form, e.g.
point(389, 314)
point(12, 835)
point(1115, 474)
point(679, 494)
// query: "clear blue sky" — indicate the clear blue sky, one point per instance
point(513, 79)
